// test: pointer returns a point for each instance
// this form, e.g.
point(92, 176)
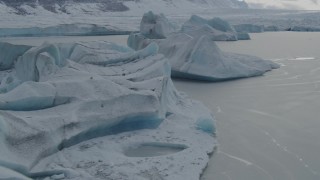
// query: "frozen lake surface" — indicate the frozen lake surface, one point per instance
point(268, 127)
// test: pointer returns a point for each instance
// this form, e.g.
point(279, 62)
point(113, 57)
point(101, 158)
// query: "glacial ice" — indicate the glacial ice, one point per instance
point(206, 125)
point(199, 58)
point(217, 28)
point(249, 28)
point(76, 29)
point(156, 26)
point(10, 174)
point(305, 28)
point(271, 28)
point(243, 36)
point(7, 57)
point(69, 110)
point(28, 96)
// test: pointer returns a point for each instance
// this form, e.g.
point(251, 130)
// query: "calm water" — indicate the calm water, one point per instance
point(269, 126)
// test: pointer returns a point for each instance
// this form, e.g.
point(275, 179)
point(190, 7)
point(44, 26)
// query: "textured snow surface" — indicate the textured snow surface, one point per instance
point(75, 110)
point(193, 54)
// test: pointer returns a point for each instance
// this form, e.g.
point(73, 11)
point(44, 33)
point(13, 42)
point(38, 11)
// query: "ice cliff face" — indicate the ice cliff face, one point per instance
point(24, 7)
point(75, 111)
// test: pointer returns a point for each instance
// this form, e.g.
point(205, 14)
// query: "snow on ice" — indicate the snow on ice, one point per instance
point(219, 29)
point(85, 110)
point(75, 110)
point(193, 54)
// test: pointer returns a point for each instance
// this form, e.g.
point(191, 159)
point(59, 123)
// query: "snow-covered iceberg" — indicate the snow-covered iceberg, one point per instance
point(74, 110)
point(156, 26)
point(193, 53)
point(200, 58)
point(217, 28)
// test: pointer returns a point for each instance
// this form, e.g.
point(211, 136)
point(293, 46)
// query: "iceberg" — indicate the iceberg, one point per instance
point(199, 58)
point(243, 36)
point(216, 35)
point(249, 28)
point(271, 28)
point(219, 29)
point(156, 26)
point(193, 54)
point(72, 110)
point(7, 57)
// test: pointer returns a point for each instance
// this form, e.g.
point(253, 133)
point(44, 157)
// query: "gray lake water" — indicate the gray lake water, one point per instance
point(268, 126)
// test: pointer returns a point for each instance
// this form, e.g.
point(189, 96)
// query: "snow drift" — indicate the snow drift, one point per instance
point(71, 110)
